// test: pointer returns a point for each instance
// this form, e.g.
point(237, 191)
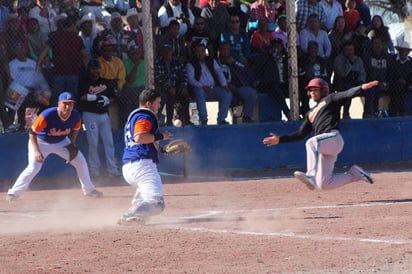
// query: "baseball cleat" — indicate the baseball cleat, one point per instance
point(11, 197)
point(307, 180)
point(131, 220)
point(364, 175)
point(95, 194)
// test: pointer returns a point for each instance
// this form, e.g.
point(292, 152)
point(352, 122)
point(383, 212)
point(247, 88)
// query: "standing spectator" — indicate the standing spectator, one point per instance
point(175, 10)
point(44, 14)
point(281, 32)
point(217, 18)
point(128, 98)
point(376, 61)
point(69, 54)
point(198, 33)
point(263, 9)
point(238, 39)
point(400, 80)
point(53, 130)
point(349, 72)
point(194, 7)
point(208, 82)
point(240, 82)
point(351, 14)
point(379, 29)
point(4, 12)
point(172, 84)
point(95, 96)
point(68, 7)
point(87, 33)
point(305, 8)
point(332, 9)
point(313, 32)
point(133, 26)
point(140, 159)
point(95, 7)
point(112, 69)
point(6, 117)
point(311, 66)
point(172, 37)
point(12, 36)
point(37, 40)
point(364, 11)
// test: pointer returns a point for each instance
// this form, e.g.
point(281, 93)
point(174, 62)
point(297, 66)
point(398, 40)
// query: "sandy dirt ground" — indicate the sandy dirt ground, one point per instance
point(232, 226)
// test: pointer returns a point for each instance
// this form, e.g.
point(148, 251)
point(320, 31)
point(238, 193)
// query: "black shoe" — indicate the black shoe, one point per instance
point(247, 119)
point(223, 122)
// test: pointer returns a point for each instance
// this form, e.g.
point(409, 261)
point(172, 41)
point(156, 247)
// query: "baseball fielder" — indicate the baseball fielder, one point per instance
point(324, 147)
point(140, 159)
point(54, 130)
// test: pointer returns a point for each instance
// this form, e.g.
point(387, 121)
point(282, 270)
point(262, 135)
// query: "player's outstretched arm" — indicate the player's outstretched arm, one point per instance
point(271, 140)
point(369, 85)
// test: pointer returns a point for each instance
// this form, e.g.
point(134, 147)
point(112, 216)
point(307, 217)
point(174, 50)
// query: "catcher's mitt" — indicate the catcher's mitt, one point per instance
point(73, 151)
point(177, 147)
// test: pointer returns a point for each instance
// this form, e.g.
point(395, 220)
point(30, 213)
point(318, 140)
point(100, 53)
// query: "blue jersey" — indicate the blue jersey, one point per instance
point(50, 128)
point(141, 120)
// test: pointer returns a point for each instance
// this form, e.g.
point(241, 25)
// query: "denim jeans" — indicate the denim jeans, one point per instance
point(223, 96)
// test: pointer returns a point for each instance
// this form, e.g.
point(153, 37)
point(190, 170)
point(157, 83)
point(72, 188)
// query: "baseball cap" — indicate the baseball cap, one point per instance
point(66, 97)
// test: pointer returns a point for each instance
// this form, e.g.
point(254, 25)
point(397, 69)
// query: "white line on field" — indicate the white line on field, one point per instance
point(366, 204)
point(297, 236)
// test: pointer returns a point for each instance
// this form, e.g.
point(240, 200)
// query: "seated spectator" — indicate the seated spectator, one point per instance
point(376, 61)
point(263, 9)
point(171, 82)
point(241, 10)
point(217, 18)
point(209, 83)
point(240, 81)
point(379, 29)
point(351, 14)
point(128, 98)
point(348, 72)
point(198, 33)
point(175, 10)
point(360, 39)
point(238, 39)
point(311, 66)
point(12, 36)
point(313, 32)
point(281, 32)
point(36, 40)
point(338, 36)
point(332, 9)
point(261, 40)
point(95, 96)
point(23, 72)
point(400, 80)
point(68, 7)
point(172, 37)
point(304, 9)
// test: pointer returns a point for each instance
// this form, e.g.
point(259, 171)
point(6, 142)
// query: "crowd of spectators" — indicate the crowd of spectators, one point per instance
point(205, 50)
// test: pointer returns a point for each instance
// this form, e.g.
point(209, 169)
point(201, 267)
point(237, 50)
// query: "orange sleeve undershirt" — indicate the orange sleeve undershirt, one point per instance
point(142, 126)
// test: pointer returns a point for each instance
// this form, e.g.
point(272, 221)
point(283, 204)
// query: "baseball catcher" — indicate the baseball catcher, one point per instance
point(177, 147)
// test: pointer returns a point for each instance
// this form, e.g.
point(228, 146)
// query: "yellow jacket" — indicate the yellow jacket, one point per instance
point(113, 69)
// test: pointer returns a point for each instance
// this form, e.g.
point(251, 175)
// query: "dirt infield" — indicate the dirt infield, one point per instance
point(245, 226)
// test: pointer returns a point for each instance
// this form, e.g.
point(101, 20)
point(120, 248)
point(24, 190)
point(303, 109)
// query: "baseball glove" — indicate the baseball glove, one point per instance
point(73, 151)
point(177, 147)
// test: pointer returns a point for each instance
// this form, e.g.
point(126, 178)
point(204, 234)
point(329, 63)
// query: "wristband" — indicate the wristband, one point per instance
point(158, 136)
point(91, 97)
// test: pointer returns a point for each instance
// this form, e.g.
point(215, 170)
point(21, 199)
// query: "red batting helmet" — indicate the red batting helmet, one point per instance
point(319, 83)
